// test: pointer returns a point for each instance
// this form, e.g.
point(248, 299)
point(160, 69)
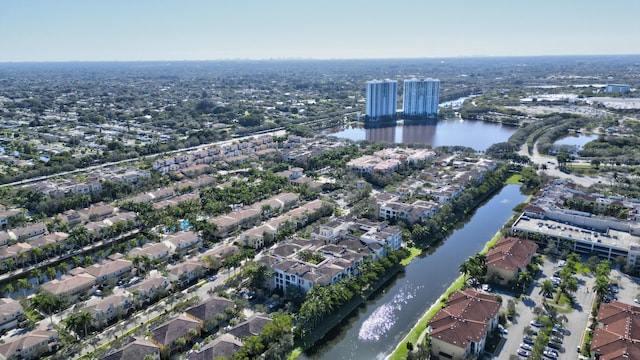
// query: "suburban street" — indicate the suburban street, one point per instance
point(139, 318)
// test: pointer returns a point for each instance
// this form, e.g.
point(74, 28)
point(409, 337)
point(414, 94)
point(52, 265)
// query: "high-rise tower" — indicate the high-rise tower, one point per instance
point(382, 97)
point(421, 97)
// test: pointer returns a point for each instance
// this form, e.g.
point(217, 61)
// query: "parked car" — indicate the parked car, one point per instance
point(522, 352)
point(528, 340)
point(525, 347)
point(535, 323)
point(551, 351)
point(554, 345)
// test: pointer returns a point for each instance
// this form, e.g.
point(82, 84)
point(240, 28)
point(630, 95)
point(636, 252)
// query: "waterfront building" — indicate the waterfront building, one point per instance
point(382, 98)
point(421, 97)
point(551, 217)
point(618, 88)
point(460, 330)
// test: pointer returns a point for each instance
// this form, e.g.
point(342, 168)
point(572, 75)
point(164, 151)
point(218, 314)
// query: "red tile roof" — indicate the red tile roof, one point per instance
point(617, 335)
point(465, 318)
point(511, 253)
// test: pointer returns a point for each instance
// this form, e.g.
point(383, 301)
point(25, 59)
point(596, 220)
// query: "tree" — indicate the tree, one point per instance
point(51, 273)
point(37, 274)
point(546, 289)
point(601, 286)
point(48, 303)
point(24, 285)
point(79, 322)
point(524, 279)
point(258, 274)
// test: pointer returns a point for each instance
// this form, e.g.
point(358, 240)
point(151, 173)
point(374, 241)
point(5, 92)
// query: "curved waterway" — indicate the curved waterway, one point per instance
point(373, 330)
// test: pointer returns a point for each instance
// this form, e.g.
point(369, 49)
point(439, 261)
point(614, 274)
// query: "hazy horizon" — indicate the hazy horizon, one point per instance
point(200, 30)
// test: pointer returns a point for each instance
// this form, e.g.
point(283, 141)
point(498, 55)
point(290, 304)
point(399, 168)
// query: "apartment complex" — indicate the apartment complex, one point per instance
point(605, 225)
point(382, 96)
point(421, 97)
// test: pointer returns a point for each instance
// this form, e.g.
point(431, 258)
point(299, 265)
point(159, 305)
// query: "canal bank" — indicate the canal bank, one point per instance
point(418, 331)
point(373, 330)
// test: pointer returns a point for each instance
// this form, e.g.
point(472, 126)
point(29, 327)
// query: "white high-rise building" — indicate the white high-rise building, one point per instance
point(382, 98)
point(421, 97)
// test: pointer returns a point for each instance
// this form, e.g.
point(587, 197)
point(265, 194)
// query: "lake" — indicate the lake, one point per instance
point(373, 330)
point(577, 140)
point(478, 135)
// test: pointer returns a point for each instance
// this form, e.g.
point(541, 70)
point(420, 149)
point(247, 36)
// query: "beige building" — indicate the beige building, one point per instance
point(508, 258)
point(461, 328)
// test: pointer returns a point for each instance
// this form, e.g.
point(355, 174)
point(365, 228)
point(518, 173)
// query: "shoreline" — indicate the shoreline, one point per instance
point(427, 314)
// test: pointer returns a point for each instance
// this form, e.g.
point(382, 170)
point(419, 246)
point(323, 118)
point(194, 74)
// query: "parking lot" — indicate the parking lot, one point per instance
point(577, 319)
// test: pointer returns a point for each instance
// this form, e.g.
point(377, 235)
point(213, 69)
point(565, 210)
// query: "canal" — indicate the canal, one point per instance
point(374, 329)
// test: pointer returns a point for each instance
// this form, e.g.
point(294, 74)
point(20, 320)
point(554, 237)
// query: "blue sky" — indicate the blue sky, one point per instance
point(86, 30)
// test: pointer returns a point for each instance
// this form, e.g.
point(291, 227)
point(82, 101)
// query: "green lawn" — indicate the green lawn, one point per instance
point(400, 353)
point(295, 354)
point(514, 179)
point(401, 350)
point(413, 252)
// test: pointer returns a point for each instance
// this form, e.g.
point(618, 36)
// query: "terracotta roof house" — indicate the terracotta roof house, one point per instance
point(97, 212)
point(49, 239)
point(253, 325)
point(508, 258)
point(29, 231)
point(153, 251)
point(182, 240)
point(152, 287)
point(10, 310)
point(460, 329)
point(137, 349)
point(120, 268)
point(109, 308)
point(178, 327)
point(221, 347)
point(617, 334)
point(30, 345)
point(6, 215)
point(71, 285)
point(209, 308)
point(186, 271)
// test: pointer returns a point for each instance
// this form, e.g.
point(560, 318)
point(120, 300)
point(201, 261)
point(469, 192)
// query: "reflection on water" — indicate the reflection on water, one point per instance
point(373, 331)
point(474, 134)
point(575, 140)
point(384, 317)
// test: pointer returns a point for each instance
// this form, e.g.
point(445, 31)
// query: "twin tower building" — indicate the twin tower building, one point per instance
point(420, 98)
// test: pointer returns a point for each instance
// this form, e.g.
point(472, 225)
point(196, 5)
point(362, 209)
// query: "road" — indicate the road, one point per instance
point(139, 318)
point(551, 165)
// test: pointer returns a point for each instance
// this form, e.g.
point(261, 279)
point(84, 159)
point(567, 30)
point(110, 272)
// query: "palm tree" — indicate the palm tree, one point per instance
point(79, 322)
point(48, 303)
point(546, 289)
point(22, 257)
point(8, 289)
point(524, 279)
point(63, 267)
point(601, 286)
point(51, 273)
point(23, 284)
point(37, 274)
point(37, 254)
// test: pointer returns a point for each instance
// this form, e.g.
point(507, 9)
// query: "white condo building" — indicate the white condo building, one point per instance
point(382, 98)
point(421, 97)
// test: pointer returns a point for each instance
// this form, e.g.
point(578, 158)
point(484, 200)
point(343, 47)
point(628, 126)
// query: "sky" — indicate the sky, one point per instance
point(138, 30)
